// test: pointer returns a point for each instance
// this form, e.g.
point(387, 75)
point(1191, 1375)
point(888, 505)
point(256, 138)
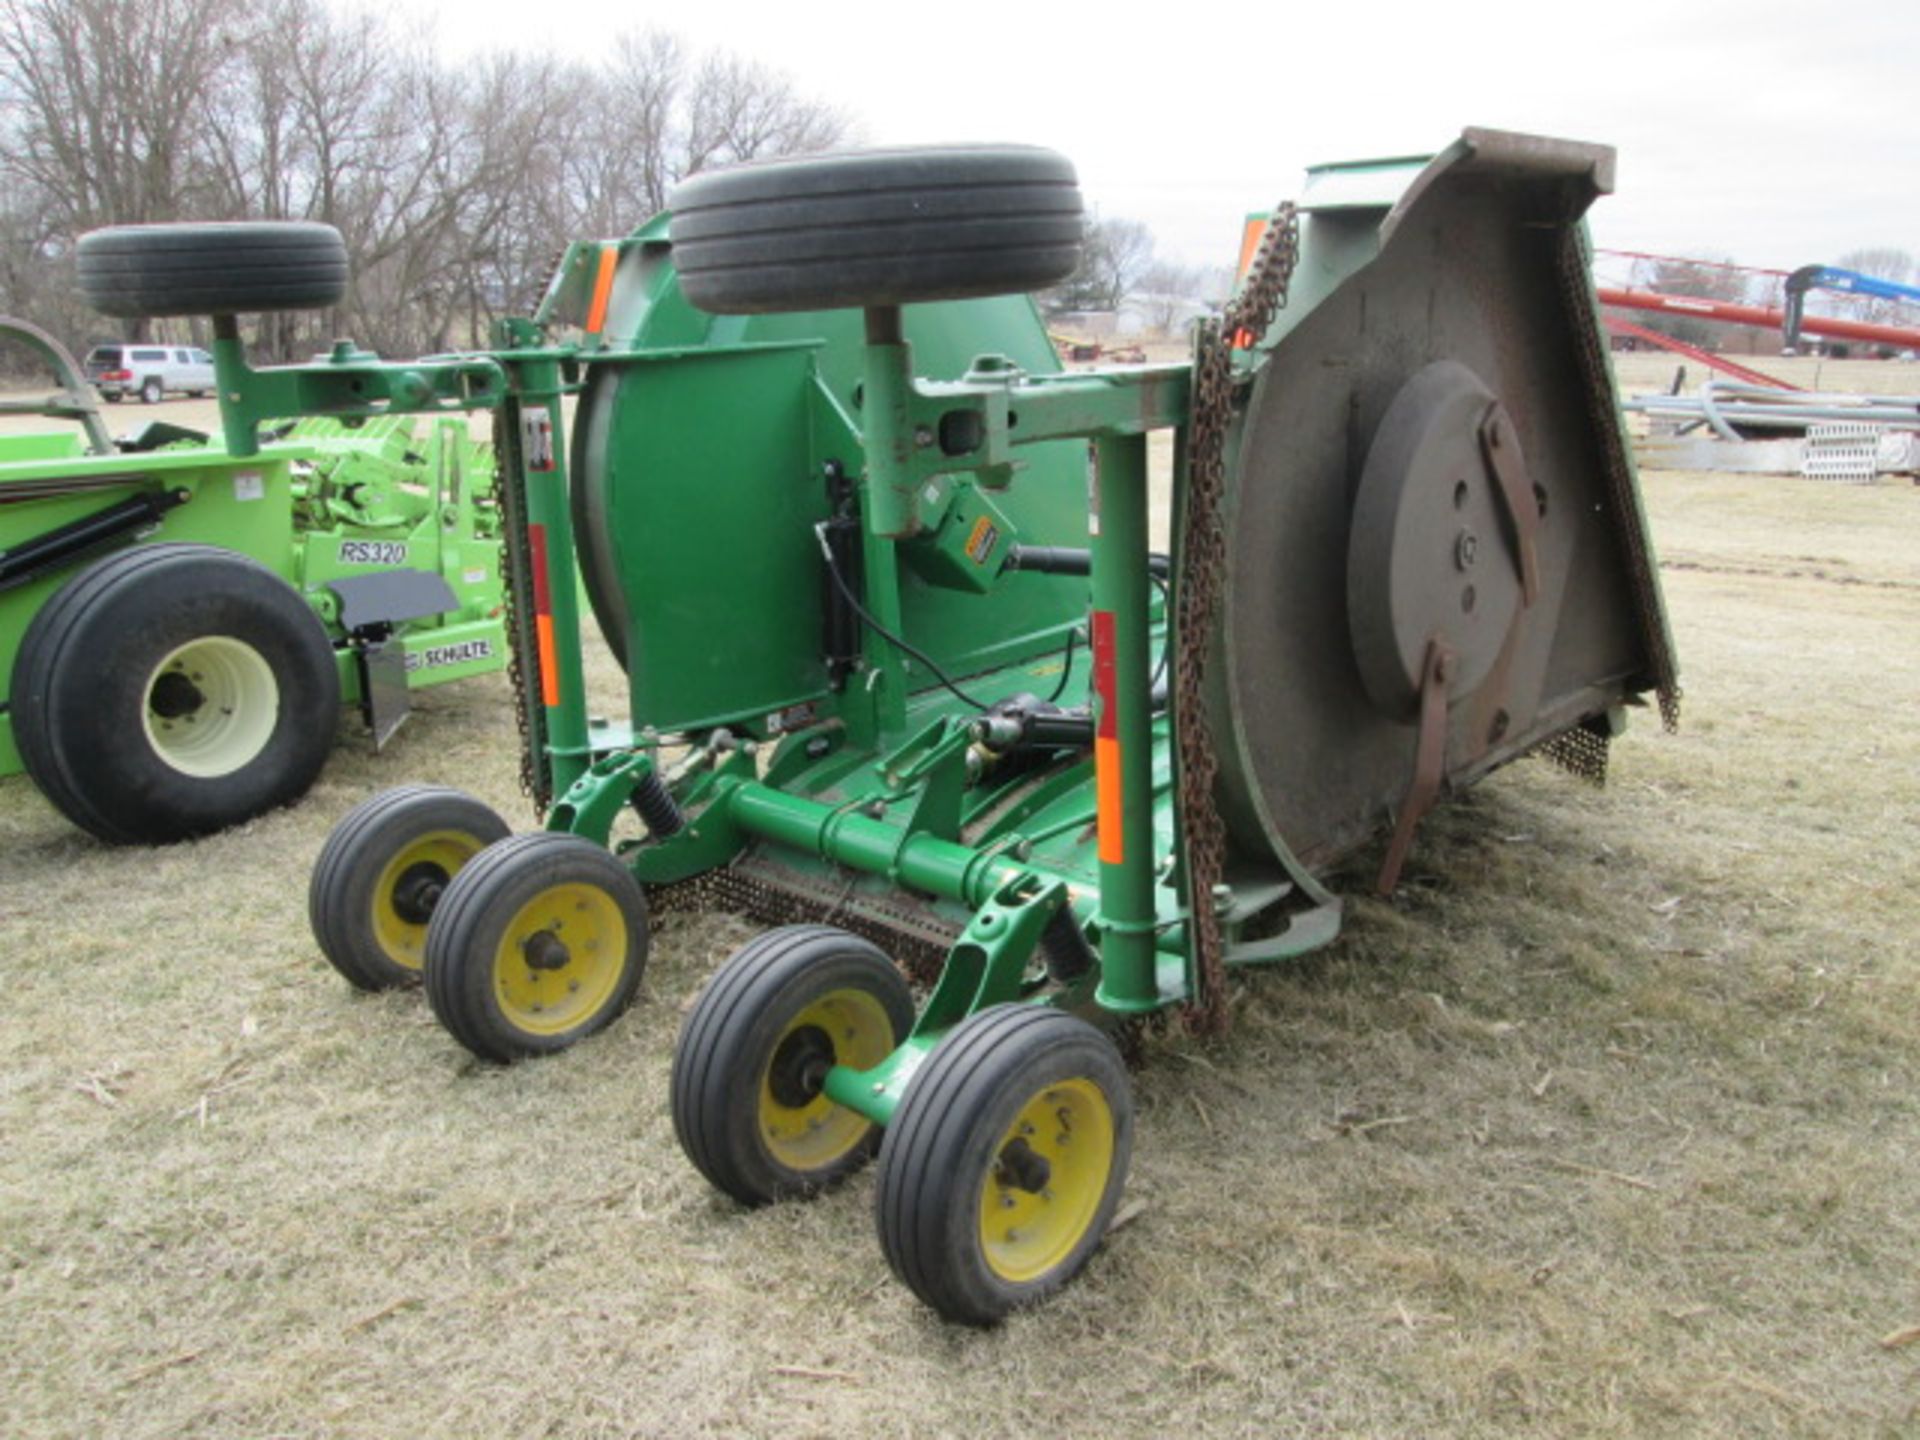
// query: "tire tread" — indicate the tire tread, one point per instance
point(334, 872)
point(458, 987)
point(719, 1024)
point(49, 677)
point(950, 1096)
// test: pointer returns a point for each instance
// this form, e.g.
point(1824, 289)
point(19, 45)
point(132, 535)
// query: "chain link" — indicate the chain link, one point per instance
point(1203, 553)
point(523, 662)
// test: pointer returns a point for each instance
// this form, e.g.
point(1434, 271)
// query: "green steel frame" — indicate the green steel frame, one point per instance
point(894, 775)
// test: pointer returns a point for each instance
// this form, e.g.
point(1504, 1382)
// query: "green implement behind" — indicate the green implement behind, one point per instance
point(180, 623)
point(909, 682)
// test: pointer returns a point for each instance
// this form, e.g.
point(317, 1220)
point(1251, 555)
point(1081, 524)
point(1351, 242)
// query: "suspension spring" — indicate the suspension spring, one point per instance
point(656, 806)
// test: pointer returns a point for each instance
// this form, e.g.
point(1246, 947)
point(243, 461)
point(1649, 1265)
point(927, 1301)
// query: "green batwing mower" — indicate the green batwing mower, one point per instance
point(909, 681)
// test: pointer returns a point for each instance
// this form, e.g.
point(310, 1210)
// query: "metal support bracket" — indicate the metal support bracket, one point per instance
point(988, 963)
point(1501, 446)
point(936, 761)
point(1429, 762)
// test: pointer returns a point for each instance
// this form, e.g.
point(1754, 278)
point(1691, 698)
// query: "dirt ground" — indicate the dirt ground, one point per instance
point(1607, 1125)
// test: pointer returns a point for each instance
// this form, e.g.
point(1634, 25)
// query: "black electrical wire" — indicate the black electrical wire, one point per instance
point(1166, 611)
point(846, 593)
point(1066, 666)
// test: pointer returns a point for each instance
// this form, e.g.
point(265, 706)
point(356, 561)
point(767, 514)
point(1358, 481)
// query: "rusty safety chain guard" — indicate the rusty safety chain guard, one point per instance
point(1202, 571)
point(523, 663)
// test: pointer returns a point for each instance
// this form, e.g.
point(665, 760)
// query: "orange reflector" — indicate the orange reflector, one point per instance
point(543, 617)
point(1106, 781)
point(549, 676)
point(602, 288)
point(1106, 741)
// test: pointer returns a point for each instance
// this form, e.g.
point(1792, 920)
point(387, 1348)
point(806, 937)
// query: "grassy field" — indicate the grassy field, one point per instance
point(1608, 1124)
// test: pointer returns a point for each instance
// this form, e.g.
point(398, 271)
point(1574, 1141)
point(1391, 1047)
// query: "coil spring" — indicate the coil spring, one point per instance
point(656, 806)
point(1064, 943)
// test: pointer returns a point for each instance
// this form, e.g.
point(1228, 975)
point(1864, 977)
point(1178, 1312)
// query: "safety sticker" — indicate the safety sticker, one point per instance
point(249, 485)
point(536, 433)
point(980, 543)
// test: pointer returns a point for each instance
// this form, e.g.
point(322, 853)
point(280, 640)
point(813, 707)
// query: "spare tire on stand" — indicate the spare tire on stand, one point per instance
point(240, 267)
point(875, 228)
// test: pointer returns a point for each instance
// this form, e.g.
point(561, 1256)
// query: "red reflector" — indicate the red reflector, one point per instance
point(542, 593)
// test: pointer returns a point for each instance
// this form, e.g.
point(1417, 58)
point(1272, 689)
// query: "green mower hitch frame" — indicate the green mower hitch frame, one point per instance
point(906, 676)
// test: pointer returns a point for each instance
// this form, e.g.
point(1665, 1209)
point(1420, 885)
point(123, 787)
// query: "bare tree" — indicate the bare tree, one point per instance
point(106, 99)
point(1709, 278)
point(454, 188)
point(1883, 262)
point(1175, 294)
point(739, 110)
point(100, 103)
point(1115, 255)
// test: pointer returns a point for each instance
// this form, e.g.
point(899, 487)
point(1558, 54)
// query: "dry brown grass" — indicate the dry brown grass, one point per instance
point(1607, 1126)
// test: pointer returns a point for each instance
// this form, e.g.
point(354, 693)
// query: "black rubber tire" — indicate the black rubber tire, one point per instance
point(742, 1022)
point(81, 691)
point(151, 392)
point(943, 1144)
point(239, 267)
point(352, 899)
point(476, 919)
point(876, 227)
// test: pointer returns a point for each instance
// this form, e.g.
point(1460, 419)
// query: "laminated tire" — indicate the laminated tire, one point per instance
point(382, 872)
point(539, 942)
point(241, 267)
point(876, 227)
point(748, 1107)
point(1005, 1161)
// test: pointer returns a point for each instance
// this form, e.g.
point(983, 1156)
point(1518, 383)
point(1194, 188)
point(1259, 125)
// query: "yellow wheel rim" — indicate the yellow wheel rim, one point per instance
point(560, 959)
point(401, 939)
point(1047, 1178)
point(851, 1028)
point(211, 706)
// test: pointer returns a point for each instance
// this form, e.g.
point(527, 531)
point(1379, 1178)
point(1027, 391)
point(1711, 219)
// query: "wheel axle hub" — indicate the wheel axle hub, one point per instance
point(1023, 1168)
point(799, 1067)
point(545, 950)
point(418, 891)
point(175, 695)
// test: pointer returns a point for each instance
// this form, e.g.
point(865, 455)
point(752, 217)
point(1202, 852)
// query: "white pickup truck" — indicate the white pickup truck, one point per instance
point(149, 371)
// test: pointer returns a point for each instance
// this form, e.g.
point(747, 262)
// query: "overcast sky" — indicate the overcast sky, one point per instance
point(1779, 134)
